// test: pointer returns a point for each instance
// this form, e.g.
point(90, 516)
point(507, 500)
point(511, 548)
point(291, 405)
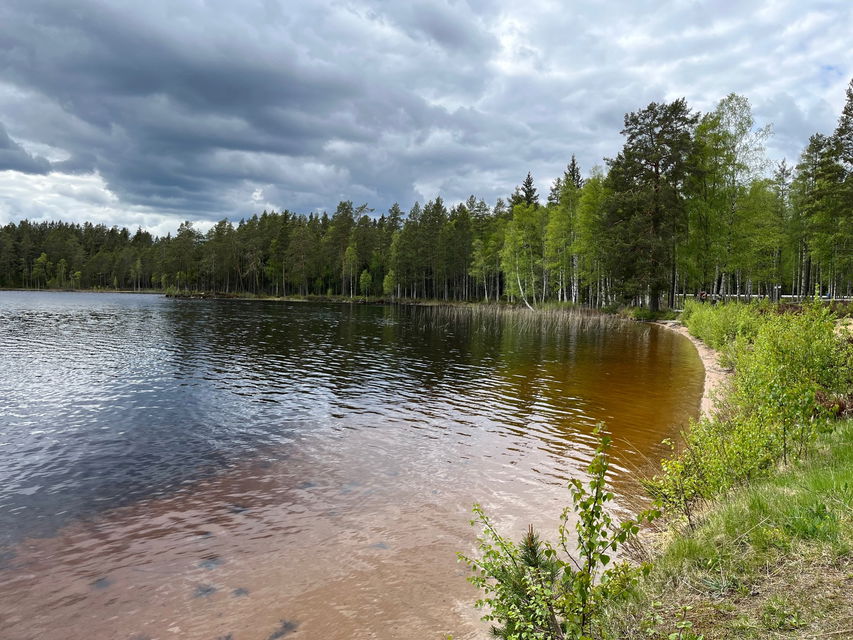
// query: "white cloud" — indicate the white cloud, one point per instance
point(58, 196)
point(192, 112)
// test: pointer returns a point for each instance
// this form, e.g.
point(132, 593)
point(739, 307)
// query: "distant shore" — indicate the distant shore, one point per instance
point(69, 290)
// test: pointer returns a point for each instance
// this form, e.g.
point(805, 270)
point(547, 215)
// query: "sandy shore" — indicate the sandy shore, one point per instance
point(715, 375)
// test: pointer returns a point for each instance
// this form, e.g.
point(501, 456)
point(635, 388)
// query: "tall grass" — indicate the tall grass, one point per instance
point(548, 319)
point(812, 501)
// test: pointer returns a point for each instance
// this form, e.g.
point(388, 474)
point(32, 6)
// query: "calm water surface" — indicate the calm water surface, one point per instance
point(258, 470)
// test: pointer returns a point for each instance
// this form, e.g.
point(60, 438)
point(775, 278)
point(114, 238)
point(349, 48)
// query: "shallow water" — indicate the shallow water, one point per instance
point(200, 469)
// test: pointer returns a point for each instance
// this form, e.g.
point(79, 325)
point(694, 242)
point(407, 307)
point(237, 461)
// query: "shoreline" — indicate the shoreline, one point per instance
point(715, 375)
point(149, 292)
point(718, 565)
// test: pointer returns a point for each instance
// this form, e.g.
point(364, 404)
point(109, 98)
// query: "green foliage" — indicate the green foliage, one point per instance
point(687, 205)
point(388, 283)
point(781, 615)
point(721, 325)
point(561, 262)
point(644, 314)
point(523, 254)
point(786, 366)
point(365, 283)
point(684, 627)
point(534, 589)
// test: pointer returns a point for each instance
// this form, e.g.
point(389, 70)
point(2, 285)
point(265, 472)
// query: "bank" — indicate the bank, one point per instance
point(769, 554)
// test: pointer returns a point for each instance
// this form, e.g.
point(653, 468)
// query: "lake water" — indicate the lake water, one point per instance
point(260, 470)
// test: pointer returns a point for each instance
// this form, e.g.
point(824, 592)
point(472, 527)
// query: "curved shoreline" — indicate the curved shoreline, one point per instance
point(715, 375)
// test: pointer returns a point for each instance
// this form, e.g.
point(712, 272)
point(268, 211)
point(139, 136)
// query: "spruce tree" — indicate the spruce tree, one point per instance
point(844, 131)
point(554, 194)
point(525, 194)
point(573, 173)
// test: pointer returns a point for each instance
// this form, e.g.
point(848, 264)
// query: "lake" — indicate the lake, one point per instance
point(259, 470)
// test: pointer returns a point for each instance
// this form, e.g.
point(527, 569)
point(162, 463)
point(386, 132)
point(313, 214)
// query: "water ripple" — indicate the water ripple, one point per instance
point(315, 415)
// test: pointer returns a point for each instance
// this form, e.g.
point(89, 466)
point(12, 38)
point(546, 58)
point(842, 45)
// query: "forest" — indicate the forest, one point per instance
point(690, 204)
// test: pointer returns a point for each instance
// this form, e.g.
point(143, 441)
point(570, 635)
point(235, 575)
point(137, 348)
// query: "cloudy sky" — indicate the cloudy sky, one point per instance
point(149, 113)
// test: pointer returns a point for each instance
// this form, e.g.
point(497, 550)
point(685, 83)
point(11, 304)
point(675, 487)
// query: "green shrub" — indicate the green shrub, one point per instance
point(785, 365)
point(536, 590)
point(722, 326)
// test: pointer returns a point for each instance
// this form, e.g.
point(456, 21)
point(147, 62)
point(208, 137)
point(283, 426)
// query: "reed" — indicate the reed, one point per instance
point(553, 320)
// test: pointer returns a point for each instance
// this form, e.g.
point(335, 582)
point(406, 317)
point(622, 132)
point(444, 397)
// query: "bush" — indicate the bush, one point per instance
point(785, 367)
point(722, 326)
point(535, 590)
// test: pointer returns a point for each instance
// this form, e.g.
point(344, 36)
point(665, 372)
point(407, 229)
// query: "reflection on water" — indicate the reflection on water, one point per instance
point(195, 469)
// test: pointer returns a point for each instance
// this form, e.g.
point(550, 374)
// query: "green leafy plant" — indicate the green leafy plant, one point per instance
point(684, 628)
point(780, 614)
point(789, 371)
point(536, 590)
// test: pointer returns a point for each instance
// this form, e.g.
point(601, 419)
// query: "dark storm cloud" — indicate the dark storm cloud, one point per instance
point(209, 109)
point(13, 157)
point(161, 99)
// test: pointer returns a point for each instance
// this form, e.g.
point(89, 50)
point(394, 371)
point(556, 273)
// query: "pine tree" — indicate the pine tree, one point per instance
point(647, 213)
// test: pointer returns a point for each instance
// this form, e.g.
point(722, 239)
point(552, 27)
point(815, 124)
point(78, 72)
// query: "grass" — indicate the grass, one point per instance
point(760, 543)
point(771, 559)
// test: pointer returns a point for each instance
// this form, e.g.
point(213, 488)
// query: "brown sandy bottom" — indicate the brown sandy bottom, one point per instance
point(277, 547)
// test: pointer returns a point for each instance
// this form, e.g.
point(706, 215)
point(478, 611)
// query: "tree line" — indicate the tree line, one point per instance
point(691, 203)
